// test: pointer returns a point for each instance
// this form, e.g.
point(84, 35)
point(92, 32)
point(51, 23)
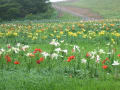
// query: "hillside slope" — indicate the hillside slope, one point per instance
point(106, 8)
point(76, 11)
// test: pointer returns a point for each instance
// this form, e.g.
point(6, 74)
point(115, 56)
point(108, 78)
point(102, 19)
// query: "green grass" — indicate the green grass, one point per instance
point(21, 80)
point(67, 16)
point(106, 8)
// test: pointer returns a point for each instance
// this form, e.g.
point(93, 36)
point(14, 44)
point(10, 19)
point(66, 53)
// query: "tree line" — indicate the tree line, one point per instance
point(13, 9)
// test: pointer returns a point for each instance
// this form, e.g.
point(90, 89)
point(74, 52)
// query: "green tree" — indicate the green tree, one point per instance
point(12, 9)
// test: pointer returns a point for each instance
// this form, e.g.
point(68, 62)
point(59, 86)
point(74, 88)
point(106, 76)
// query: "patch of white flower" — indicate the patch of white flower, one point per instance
point(45, 54)
point(54, 55)
point(65, 51)
point(76, 48)
point(101, 51)
point(54, 42)
point(97, 58)
point(16, 50)
point(18, 44)
point(58, 50)
point(28, 54)
point(115, 63)
point(83, 61)
point(25, 47)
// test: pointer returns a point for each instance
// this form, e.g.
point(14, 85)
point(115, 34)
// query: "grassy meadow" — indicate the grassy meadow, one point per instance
point(106, 8)
point(60, 56)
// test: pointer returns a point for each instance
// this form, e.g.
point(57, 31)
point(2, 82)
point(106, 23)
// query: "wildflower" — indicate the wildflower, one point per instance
point(74, 34)
point(84, 61)
point(8, 58)
point(15, 34)
point(65, 51)
point(58, 50)
point(76, 48)
point(103, 61)
point(25, 47)
point(55, 43)
point(115, 63)
point(112, 25)
point(92, 54)
point(2, 50)
point(54, 55)
point(16, 50)
point(37, 50)
point(52, 35)
point(58, 37)
point(30, 54)
point(41, 59)
point(113, 41)
point(104, 66)
point(98, 58)
point(38, 61)
point(18, 44)
point(8, 46)
point(68, 60)
point(45, 54)
point(88, 55)
point(102, 32)
point(62, 41)
point(107, 59)
point(71, 57)
point(101, 51)
point(61, 33)
point(92, 57)
point(16, 62)
point(118, 55)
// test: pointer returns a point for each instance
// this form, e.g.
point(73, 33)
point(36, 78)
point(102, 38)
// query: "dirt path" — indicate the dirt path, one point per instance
point(82, 12)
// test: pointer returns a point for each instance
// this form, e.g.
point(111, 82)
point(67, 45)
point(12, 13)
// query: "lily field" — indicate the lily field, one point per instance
point(60, 56)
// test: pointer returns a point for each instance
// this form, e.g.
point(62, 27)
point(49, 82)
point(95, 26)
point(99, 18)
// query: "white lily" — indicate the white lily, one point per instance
point(28, 54)
point(101, 51)
point(76, 48)
point(18, 44)
point(55, 43)
point(83, 61)
point(115, 63)
point(58, 50)
point(45, 54)
point(16, 50)
point(92, 56)
point(25, 47)
point(54, 55)
point(65, 51)
point(62, 41)
point(93, 52)
point(2, 50)
point(97, 58)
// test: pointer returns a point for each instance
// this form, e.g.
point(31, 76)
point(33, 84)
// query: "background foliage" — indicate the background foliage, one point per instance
point(12, 9)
